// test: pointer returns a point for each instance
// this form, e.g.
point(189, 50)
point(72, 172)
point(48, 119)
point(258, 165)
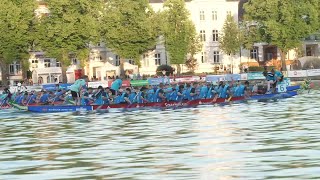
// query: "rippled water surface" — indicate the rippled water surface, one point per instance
point(274, 140)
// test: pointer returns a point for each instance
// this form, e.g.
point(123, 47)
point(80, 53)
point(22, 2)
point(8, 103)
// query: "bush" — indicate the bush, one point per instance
point(169, 70)
point(256, 68)
point(312, 63)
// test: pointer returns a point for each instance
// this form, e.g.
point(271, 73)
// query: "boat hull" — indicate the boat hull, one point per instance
point(161, 105)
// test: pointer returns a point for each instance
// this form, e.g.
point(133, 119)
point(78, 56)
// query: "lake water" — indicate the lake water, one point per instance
point(274, 140)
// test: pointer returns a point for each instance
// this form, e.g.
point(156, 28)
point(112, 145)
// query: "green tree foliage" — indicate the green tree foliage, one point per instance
point(230, 38)
point(15, 24)
point(195, 47)
point(284, 23)
point(129, 29)
point(69, 28)
point(177, 31)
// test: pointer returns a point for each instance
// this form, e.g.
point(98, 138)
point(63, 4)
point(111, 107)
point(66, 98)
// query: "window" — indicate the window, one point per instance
point(216, 56)
point(202, 16)
point(14, 69)
point(215, 35)
point(203, 35)
point(11, 69)
point(254, 54)
point(34, 61)
point(74, 61)
point(47, 63)
point(214, 15)
point(58, 64)
point(146, 60)
point(203, 57)
point(131, 61)
point(157, 59)
point(228, 12)
point(117, 60)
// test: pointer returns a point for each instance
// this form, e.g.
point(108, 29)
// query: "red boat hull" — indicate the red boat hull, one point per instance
point(184, 103)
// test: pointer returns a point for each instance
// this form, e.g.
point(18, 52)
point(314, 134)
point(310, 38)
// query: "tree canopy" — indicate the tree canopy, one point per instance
point(15, 36)
point(68, 29)
point(128, 28)
point(283, 23)
point(178, 30)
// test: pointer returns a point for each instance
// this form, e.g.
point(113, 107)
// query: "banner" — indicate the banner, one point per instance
point(186, 79)
point(298, 73)
point(157, 81)
point(139, 82)
point(313, 72)
point(255, 76)
point(214, 78)
point(52, 87)
point(95, 85)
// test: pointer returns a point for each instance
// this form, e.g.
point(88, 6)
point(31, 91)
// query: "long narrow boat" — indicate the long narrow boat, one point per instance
point(170, 104)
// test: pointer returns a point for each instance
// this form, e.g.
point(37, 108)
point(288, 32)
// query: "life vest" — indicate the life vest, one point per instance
point(239, 91)
point(173, 95)
point(156, 97)
point(223, 93)
point(133, 97)
point(168, 92)
point(209, 93)
point(203, 92)
point(150, 95)
point(139, 97)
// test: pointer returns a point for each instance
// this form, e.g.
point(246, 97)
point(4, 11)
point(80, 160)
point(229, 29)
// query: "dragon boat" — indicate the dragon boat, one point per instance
point(291, 91)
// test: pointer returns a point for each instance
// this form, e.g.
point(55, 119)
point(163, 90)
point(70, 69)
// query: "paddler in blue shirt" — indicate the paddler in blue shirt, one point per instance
point(142, 95)
point(194, 92)
point(133, 95)
point(44, 98)
point(86, 98)
point(76, 89)
point(98, 96)
point(271, 80)
point(159, 95)
point(125, 97)
point(224, 91)
point(116, 85)
point(203, 91)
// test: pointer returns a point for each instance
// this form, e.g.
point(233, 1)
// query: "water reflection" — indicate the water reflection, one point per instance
point(265, 140)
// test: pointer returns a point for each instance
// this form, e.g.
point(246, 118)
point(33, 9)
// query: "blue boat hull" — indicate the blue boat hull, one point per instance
point(55, 109)
point(274, 96)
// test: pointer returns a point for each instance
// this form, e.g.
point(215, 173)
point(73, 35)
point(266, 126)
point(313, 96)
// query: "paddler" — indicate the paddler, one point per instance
point(204, 91)
point(194, 92)
point(86, 98)
point(98, 96)
point(142, 95)
point(116, 85)
point(44, 98)
point(271, 80)
point(125, 97)
point(77, 87)
point(224, 91)
point(159, 95)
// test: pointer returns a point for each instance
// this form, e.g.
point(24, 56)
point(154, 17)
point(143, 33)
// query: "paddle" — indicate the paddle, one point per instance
point(229, 99)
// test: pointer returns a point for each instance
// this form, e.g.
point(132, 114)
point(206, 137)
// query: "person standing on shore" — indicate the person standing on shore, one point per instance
point(76, 89)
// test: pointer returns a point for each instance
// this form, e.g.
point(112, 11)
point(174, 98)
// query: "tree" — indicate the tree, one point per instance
point(195, 46)
point(128, 29)
point(69, 29)
point(248, 36)
point(230, 38)
point(177, 31)
point(15, 17)
point(284, 23)
point(164, 68)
